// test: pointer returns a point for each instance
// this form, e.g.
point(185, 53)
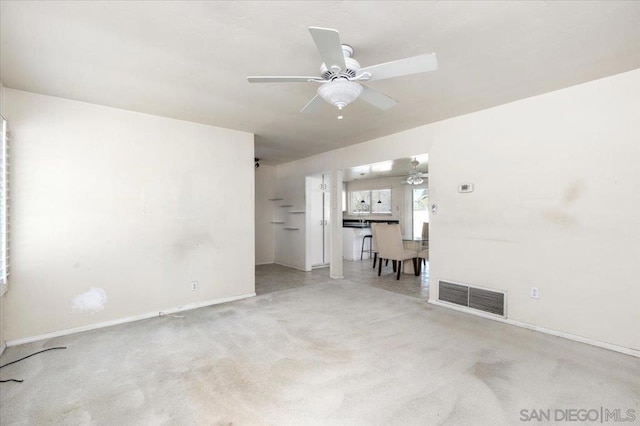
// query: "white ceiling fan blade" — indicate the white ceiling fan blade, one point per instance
point(413, 65)
point(280, 79)
point(329, 45)
point(313, 105)
point(376, 98)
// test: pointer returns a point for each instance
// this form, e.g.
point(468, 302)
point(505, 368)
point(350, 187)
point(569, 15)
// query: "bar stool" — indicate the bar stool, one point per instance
point(362, 250)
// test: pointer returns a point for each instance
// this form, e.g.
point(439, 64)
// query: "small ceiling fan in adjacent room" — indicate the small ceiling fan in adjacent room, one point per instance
point(341, 76)
point(415, 177)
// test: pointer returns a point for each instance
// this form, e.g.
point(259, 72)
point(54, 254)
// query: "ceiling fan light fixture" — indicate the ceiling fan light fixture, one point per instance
point(415, 177)
point(340, 92)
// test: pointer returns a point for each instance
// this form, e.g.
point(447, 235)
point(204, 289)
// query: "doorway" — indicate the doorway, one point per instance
point(420, 210)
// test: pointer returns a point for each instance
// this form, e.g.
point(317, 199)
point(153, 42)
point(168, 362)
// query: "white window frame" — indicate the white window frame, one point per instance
point(4, 207)
point(370, 210)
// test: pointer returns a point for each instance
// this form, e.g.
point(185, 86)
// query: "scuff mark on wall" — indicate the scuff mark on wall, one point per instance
point(573, 192)
point(558, 217)
point(92, 301)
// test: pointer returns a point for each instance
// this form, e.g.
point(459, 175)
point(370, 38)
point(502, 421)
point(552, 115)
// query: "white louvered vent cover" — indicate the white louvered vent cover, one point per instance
point(489, 301)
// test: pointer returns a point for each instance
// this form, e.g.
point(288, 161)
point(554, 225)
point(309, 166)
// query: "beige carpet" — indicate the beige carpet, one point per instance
point(333, 353)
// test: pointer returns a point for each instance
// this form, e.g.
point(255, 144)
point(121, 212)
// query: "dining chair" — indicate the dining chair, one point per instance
point(425, 235)
point(423, 256)
point(374, 226)
point(425, 230)
point(390, 247)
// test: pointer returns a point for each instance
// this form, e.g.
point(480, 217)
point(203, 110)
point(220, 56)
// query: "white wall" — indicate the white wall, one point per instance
point(555, 204)
point(290, 245)
point(265, 181)
point(134, 204)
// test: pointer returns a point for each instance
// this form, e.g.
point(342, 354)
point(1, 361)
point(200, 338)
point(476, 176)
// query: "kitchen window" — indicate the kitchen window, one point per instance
point(376, 201)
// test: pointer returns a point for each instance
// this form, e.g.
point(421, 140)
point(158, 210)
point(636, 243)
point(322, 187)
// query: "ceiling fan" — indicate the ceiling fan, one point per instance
point(340, 74)
point(415, 177)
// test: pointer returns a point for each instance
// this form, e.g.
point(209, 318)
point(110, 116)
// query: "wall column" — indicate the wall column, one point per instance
point(336, 269)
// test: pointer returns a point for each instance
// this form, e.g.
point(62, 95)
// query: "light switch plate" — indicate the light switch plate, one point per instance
point(535, 293)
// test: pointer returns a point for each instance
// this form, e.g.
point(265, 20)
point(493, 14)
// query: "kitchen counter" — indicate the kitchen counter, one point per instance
point(352, 237)
point(353, 232)
point(357, 223)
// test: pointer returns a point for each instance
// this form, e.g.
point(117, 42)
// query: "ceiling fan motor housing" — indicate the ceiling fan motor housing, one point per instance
point(352, 66)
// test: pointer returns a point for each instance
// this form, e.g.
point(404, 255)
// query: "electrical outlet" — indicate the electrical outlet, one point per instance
point(194, 285)
point(535, 294)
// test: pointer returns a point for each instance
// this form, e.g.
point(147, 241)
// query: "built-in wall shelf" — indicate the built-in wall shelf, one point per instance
point(291, 229)
point(276, 199)
point(277, 222)
point(297, 212)
point(287, 205)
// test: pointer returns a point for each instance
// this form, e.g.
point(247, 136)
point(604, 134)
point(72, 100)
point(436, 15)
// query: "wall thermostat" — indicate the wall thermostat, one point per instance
point(465, 187)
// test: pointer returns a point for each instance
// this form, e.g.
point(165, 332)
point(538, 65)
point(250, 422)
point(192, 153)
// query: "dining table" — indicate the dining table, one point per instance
point(413, 243)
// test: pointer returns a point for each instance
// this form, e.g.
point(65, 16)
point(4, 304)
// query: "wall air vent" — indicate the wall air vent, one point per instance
point(454, 293)
point(480, 299)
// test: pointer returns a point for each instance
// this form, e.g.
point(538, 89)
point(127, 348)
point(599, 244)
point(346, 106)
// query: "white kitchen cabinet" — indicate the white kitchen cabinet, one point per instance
point(318, 203)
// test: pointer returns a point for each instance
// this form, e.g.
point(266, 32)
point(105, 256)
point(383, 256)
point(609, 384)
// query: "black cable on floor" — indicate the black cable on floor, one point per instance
point(28, 356)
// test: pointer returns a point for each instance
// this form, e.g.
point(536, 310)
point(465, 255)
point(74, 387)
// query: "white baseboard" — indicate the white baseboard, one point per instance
point(326, 265)
point(291, 266)
point(126, 320)
point(265, 263)
point(588, 341)
point(3, 346)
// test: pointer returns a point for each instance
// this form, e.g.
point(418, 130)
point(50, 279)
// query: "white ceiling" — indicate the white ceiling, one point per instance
point(189, 60)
